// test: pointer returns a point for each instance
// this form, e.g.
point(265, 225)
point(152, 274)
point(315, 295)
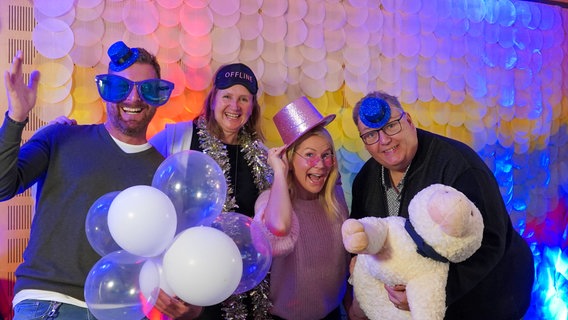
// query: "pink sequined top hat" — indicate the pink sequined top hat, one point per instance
point(297, 118)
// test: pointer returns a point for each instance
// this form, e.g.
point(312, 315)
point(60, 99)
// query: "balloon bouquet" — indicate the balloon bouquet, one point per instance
point(172, 236)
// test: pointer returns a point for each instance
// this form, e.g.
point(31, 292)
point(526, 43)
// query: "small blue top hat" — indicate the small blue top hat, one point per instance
point(374, 112)
point(121, 56)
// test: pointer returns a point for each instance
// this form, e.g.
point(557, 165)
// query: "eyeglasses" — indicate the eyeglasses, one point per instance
point(390, 129)
point(327, 158)
point(114, 88)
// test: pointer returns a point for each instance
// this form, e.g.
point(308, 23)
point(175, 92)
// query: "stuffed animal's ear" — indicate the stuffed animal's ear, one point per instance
point(451, 211)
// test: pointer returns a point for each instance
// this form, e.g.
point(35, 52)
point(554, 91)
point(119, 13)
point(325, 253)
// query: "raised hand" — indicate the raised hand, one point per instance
point(278, 161)
point(21, 97)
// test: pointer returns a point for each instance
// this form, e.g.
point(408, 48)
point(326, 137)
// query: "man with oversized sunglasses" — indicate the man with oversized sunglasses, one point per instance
point(73, 166)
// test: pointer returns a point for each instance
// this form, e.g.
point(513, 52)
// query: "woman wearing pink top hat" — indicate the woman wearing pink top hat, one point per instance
point(302, 214)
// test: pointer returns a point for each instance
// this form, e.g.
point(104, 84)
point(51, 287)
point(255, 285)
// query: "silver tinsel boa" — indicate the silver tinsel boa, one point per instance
point(255, 155)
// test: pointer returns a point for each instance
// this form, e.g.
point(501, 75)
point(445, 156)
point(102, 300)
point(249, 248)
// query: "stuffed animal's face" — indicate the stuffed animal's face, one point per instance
point(451, 211)
point(447, 220)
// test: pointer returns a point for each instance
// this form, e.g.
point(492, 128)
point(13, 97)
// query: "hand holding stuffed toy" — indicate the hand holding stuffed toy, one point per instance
point(444, 226)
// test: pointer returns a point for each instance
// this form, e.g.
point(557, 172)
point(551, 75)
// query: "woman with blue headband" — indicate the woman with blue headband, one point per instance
point(228, 130)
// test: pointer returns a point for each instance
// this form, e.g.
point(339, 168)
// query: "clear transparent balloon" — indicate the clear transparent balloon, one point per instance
point(196, 185)
point(121, 286)
point(253, 244)
point(96, 225)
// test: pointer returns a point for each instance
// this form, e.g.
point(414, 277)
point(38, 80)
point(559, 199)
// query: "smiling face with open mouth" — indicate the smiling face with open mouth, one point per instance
point(232, 108)
point(129, 119)
point(393, 152)
point(312, 162)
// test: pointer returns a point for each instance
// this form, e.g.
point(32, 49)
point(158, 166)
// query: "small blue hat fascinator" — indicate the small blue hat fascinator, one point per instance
point(374, 112)
point(121, 56)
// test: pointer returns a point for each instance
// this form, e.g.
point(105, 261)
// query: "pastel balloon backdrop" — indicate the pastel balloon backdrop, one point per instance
point(489, 73)
point(142, 220)
point(196, 185)
point(254, 246)
point(121, 286)
point(203, 266)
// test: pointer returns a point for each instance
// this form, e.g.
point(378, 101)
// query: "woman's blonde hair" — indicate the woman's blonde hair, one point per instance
point(327, 196)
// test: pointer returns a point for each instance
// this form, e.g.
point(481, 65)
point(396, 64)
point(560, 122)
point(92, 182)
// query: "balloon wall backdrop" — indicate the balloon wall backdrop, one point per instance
point(490, 73)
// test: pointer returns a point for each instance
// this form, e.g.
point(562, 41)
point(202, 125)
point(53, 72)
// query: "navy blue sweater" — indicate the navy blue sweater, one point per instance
point(73, 166)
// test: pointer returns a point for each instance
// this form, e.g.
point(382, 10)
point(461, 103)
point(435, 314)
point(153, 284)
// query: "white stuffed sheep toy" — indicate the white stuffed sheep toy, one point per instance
point(451, 227)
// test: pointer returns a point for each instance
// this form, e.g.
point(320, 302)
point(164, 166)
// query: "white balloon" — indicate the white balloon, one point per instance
point(203, 266)
point(142, 220)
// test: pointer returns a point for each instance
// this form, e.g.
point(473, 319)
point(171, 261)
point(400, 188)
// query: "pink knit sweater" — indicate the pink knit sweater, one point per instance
point(309, 268)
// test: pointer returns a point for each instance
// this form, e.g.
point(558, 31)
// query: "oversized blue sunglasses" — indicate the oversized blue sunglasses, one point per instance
point(114, 88)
